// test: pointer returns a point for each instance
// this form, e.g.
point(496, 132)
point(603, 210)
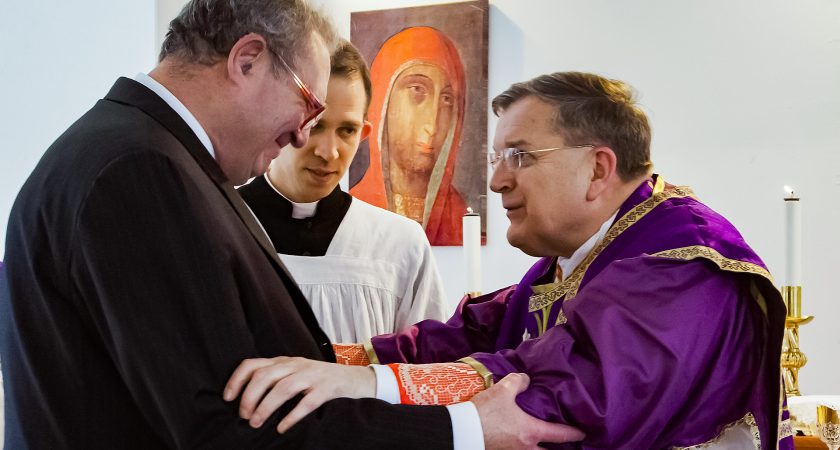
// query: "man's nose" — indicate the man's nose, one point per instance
point(502, 178)
point(327, 147)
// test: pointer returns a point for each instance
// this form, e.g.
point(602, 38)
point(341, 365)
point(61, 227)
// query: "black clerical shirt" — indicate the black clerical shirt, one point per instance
point(302, 237)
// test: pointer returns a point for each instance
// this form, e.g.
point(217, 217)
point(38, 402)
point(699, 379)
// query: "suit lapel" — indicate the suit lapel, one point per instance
point(133, 93)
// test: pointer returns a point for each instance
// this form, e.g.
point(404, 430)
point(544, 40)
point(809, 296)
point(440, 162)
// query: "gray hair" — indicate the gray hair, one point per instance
point(590, 109)
point(206, 30)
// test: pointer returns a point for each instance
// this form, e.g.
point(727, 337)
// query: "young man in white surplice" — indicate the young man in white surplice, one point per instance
point(364, 270)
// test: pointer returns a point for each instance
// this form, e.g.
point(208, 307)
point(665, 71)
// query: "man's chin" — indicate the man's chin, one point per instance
point(517, 240)
point(322, 190)
point(261, 166)
point(257, 172)
point(513, 239)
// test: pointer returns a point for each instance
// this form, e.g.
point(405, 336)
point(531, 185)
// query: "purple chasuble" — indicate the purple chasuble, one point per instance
point(665, 335)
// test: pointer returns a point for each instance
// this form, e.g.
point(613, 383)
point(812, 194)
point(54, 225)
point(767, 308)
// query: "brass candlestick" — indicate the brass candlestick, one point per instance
point(792, 357)
point(828, 425)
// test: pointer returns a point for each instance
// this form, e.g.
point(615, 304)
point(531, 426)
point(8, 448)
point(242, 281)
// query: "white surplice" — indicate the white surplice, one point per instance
point(377, 276)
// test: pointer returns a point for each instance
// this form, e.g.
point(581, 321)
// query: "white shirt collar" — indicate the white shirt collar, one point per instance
point(299, 210)
point(567, 265)
point(179, 108)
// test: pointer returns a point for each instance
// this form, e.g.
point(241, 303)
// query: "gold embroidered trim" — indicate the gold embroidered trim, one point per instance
point(371, 353)
point(785, 429)
point(748, 420)
point(542, 320)
point(569, 287)
point(543, 288)
point(727, 264)
point(485, 374)
point(561, 318)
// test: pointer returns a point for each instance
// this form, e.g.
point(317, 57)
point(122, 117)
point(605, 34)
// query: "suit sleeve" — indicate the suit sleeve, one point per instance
point(163, 298)
point(650, 345)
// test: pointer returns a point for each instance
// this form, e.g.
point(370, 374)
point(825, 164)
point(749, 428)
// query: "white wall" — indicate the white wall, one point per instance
point(59, 58)
point(744, 97)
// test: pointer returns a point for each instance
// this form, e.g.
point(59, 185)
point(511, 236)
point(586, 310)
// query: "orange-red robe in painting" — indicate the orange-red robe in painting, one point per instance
point(421, 45)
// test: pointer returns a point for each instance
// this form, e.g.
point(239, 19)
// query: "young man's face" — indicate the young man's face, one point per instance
point(310, 173)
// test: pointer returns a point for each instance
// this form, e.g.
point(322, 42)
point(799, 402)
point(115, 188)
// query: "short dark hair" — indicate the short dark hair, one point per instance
point(206, 30)
point(591, 109)
point(347, 62)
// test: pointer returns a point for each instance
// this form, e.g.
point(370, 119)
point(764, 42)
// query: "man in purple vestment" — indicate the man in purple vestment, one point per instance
point(648, 323)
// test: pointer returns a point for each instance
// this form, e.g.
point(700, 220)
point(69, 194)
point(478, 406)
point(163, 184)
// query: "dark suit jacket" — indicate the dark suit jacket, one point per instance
point(137, 281)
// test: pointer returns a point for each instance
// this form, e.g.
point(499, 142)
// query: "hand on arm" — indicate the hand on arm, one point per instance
point(273, 382)
point(507, 426)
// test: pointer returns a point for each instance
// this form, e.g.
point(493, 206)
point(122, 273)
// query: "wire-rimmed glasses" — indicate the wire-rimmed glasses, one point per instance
point(514, 158)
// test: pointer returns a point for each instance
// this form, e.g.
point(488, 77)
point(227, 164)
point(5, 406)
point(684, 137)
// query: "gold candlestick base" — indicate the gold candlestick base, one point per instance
point(792, 357)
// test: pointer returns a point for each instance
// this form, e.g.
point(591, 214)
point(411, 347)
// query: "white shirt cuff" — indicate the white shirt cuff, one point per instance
point(467, 433)
point(387, 388)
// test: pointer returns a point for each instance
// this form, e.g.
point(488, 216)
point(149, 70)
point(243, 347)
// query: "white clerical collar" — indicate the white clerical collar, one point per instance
point(179, 108)
point(299, 210)
point(567, 265)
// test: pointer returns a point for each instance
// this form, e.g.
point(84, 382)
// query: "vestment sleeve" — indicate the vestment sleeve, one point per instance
point(162, 295)
point(648, 344)
point(474, 327)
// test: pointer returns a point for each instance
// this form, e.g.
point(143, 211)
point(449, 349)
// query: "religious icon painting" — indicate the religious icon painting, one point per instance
point(426, 155)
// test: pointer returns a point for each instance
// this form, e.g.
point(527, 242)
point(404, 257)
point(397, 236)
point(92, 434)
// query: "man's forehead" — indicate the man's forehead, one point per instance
point(513, 130)
point(513, 136)
point(342, 118)
point(346, 98)
point(521, 121)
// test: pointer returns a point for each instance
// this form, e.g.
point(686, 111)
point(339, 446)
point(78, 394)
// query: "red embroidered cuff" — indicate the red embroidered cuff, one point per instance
point(436, 384)
point(351, 354)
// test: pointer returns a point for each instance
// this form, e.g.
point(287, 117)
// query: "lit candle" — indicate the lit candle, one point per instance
point(472, 250)
point(793, 239)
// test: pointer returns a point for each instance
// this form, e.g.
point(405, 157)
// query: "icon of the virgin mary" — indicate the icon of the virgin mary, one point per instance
point(417, 111)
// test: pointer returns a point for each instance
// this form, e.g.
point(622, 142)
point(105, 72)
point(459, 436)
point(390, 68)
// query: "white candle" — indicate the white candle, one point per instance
point(472, 249)
point(793, 239)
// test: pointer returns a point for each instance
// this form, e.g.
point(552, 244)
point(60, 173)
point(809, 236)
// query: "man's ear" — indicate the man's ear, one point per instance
point(244, 55)
point(366, 130)
point(603, 173)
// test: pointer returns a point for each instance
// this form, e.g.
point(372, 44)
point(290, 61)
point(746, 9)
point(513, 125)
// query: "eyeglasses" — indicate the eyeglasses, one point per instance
point(516, 159)
point(316, 106)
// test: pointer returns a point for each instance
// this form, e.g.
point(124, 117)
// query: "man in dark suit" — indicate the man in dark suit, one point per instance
point(137, 279)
